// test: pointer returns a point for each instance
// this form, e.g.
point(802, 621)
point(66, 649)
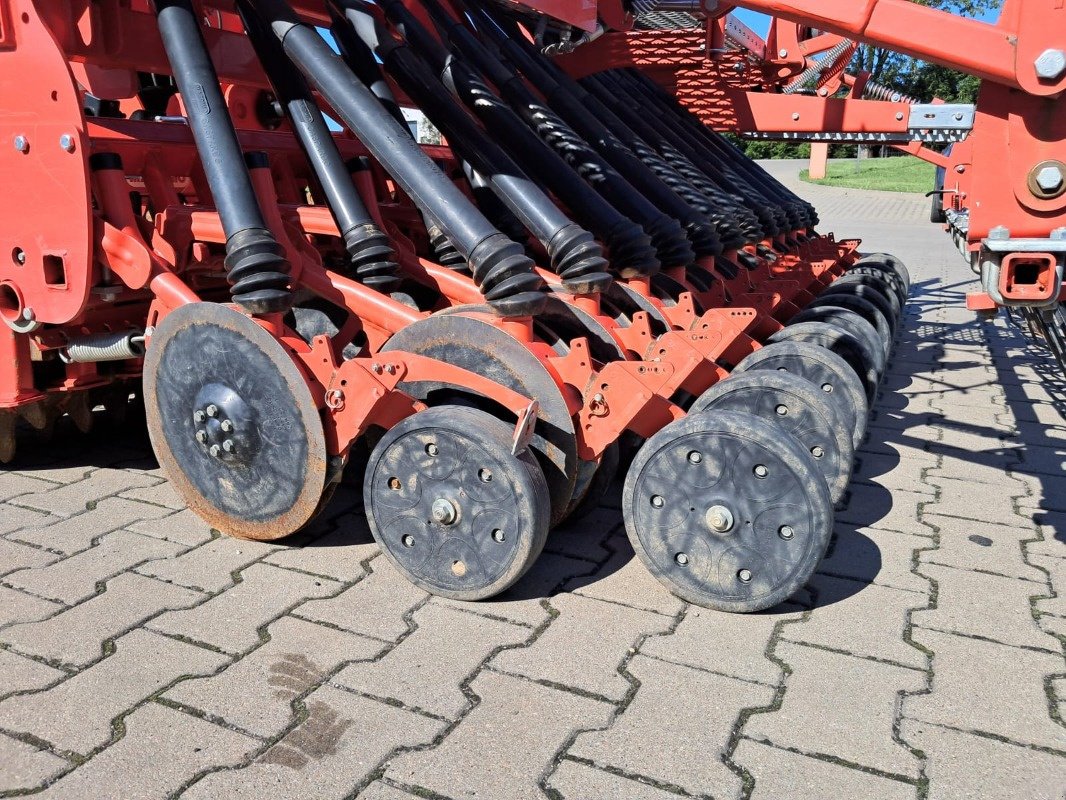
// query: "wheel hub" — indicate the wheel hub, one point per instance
point(444, 511)
point(224, 425)
point(719, 519)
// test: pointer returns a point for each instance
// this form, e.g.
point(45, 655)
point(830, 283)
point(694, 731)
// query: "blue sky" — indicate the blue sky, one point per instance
point(760, 23)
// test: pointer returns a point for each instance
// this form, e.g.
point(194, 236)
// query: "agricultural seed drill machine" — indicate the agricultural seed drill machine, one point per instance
point(222, 208)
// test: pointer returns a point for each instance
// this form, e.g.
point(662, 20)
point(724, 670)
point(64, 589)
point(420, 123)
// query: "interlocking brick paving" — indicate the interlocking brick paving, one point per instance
point(142, 655)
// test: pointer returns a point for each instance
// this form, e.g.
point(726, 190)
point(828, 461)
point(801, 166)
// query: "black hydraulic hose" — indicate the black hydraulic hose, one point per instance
point(499, 267)
point(672, 247)
point(575, 256)
point(368, 247)
point(629, 247)
point(258, 271)
point(597, 128)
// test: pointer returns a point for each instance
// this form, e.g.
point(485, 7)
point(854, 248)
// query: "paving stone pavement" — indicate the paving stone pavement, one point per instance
point(144, 656)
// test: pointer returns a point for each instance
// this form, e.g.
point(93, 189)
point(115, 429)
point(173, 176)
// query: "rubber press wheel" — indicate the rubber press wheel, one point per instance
point(727, 511)
point(233, 423)
point(872, 346)
point(839, 341)
point(865, 309)
point(451, 507)
point(794, 405)
point(888, 262)
point(825, 369)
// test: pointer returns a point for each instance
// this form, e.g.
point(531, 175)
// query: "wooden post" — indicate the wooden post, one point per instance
point(819, 159)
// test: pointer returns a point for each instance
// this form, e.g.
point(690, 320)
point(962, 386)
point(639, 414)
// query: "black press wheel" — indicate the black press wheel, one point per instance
point(839, 341)
point(794, 405)
point(727, 511)
point(451, 507)
point(233, 423)
point(825, 369)
point(865, 309)
point(873, 347)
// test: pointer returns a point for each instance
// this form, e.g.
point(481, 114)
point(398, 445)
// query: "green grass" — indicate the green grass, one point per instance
point(895, 174)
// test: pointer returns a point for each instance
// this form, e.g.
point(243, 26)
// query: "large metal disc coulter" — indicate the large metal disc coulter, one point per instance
point(825, 369)
point(233, 423)
point(484, 349)
point(794, 405)
point(451, 507)
point(727, 511)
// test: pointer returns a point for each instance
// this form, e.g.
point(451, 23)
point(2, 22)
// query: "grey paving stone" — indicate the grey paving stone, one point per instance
point(514, 734)
point(75, 636)
point(340, 743)
point(379, 790)
point(703, 708)
point(373, 607)
point(523, 602)
point(969, 500)
point(860, 618)
point(255, 692)
point(13, 484)
point(584, 646)
point(779, 773)
point(73, 498)
point(183, 527)
point(962, 766)
point(23, 766)
point(74, 534)
point(876, 556)
point(970, 544)
point(22, 674)
point(586, 538)
point(15, 556)
point(16, 606)
point(578, 781)
point(978, 604)
point(211, 566)
point(229, 621)
point(1056, 573)
point(425, 671)
point(160, 494)
point(732, 644)
point(893, 472)
point(75, 578)
point(873, 506)
point(14, 517)
point(338, 555)
point(162, 750)
point(839, 706)
point(624, 579)
point(981, 686)
point(141, 665)
point(1042, 457)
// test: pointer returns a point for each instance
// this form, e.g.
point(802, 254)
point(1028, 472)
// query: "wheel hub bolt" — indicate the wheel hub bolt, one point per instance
point(761, 471)
point(432, 449)
point(719, 518)
point(695, 457)
point(226, 426)
point(498, 535)
point(817, 451)
point(656, 501)
point(201, 436)
point(215, 450)
point(199, 416)
point(228, 445)
point(744, 575)
point(781, 410)
point(408, 540)
point(786, 532)
point(444, 511)
point(212, 410)
point(681, 558)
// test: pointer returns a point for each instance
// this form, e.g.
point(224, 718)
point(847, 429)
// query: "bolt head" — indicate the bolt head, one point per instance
point(899, 116)
point(22, 144)
point(227, 426)
point(1050, 65)
point(67, 142)
point(782, 53)
point(199, 416)
point(681, 558)
point(201, 436)
point(1049, 178)
point(432, 449)
point(657, 501)
point(786, 532)
point(212, 410)
point(215, 450)
point(444, 511)
point(744, 575)
point(817, 451)
point(795, 116)
point(695, 457)
point(760, 471)
point(719, 518)
point(228, 445)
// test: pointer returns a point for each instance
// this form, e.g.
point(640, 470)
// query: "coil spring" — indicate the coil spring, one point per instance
point(258, 272)
point(878, 91)
point(671, 244)
point(505, 275)
point(372, 256)
point(813, 71)
point(578, 259)
point(631, 251)
point(103, 347)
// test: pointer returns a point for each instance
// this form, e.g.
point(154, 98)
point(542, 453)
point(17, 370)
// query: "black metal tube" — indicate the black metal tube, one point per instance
point(671, 245)
point(499, 266)
point(574, 255)
point(258, 272)
point(368, 247)
point(596, 126)
point(630, 249)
